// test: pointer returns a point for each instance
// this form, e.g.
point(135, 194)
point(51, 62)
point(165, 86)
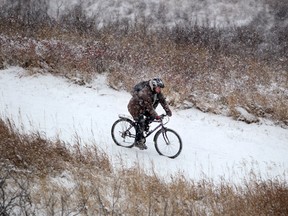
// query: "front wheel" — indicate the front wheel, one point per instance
point(123, 132)
point(168, 143)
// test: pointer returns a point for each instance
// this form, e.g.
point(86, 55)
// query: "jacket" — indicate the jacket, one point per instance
point(145, 101)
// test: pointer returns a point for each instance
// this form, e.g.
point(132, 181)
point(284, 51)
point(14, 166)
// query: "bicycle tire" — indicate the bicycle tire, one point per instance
point(123, 132)
point(171, 149)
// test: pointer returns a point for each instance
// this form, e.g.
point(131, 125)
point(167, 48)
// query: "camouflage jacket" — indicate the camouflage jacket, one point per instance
point(145, 101)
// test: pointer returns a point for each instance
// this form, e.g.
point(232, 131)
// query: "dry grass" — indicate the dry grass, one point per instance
point(43, 156)
point(51, 178)
point(194, 74)
point(40, 176)
point(203, 67)
point(206, 80)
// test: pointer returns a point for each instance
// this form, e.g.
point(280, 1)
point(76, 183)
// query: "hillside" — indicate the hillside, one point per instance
point(66, 69)
point(214, 146)
point(58, 143)
point(224, 70)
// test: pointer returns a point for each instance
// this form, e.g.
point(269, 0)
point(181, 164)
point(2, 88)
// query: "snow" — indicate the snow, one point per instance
point(213, 146)
point(219, 13)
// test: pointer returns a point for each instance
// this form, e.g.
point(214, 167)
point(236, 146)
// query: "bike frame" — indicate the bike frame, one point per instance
point(165, 146)
point(155, 129)
point(161, 124)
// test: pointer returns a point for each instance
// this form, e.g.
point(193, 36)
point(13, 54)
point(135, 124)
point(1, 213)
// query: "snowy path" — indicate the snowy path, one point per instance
point(214, 146)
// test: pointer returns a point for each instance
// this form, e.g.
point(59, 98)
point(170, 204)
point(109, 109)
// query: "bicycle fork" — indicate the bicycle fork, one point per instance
point(165, 137)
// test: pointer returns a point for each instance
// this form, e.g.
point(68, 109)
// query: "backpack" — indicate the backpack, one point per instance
point(139, 86)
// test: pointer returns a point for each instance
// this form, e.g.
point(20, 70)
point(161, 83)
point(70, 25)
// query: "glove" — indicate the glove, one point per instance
point(158, 117)
point(168, 112)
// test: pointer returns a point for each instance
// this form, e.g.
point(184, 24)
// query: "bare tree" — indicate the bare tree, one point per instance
point(14, 191)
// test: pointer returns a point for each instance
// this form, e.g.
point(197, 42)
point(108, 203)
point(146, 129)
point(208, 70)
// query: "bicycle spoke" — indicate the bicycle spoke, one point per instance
point(123, 133)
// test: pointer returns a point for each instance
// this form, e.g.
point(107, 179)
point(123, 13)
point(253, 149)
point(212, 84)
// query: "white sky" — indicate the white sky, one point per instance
point(213, 146)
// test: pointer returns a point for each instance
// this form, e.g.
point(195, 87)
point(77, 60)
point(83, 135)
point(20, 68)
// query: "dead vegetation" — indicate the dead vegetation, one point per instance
point(201, 67)
point(39, 176)
point(214, 70)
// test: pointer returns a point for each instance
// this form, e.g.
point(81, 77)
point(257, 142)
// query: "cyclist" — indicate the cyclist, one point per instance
point(145, 98)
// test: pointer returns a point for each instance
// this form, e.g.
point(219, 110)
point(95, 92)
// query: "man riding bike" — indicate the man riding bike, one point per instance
point(143, 103)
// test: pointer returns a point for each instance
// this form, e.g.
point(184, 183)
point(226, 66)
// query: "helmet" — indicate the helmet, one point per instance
point(156, 82)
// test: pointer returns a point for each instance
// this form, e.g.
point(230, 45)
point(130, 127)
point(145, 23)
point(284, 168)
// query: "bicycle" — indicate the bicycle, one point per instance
point(166, 141)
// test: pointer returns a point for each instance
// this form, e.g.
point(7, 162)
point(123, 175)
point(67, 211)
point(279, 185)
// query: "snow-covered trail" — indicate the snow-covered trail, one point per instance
point(213, 146)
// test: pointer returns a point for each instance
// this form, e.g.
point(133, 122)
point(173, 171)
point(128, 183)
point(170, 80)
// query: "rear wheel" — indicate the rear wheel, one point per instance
point(168, 143)
point(123, 132)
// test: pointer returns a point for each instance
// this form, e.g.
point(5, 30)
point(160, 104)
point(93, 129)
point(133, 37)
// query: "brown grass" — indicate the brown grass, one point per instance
point(41, 176)
point(41, 155)
point(203, 67)
point(64, 179)
point(206, 80)
point(195, 73)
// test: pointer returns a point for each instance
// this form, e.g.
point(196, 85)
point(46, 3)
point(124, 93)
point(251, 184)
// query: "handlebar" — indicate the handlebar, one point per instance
point(161, 118)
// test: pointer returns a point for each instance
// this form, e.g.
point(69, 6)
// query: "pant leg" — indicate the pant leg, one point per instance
point(140, 126)
point(148, 120)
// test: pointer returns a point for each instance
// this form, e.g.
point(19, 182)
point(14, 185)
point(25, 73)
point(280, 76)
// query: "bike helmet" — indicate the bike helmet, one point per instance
point(156, 82)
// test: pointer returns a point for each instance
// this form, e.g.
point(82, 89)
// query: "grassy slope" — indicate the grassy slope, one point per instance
point(195, 74)
point(40, 176)
point(209, 73)
point(215, 70)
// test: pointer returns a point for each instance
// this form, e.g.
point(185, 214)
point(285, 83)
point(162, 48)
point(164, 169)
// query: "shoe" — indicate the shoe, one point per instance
point(140, 144)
